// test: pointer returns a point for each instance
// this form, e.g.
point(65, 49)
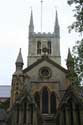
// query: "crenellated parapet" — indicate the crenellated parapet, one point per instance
point(44, 35)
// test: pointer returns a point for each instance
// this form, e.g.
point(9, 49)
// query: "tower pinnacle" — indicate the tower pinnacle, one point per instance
point(56, 23)
point(31, 19)
point(56, 27)
point(31, 25)
point(70, 61)
point(19, 61)
point(41, 14)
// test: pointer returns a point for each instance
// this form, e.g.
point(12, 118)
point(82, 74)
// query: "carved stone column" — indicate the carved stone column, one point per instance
point(68, 117)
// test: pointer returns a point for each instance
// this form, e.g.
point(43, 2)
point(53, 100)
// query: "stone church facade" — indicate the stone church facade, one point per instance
point(37, 92)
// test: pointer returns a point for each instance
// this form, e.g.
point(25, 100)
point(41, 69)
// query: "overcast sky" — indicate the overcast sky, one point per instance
point(14, 22)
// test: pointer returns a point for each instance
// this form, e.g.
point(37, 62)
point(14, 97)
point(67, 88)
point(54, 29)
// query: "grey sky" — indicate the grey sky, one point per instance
point(14, 21)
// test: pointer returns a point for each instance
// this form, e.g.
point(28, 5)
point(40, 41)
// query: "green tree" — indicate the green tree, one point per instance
point(78, 59)
point(77, 25)
point(5, 105)
point(78, 14)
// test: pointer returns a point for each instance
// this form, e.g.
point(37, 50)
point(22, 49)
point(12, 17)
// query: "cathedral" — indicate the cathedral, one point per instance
point(42, 93)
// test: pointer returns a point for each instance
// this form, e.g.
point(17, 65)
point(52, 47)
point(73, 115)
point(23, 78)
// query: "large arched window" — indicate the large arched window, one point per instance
point(44, 100)
point(53, 103)
point(37, 99)
point(38, 47)
point(49, 47)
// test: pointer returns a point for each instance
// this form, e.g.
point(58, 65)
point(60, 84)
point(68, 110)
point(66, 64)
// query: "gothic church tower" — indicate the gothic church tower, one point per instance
point(38, 42)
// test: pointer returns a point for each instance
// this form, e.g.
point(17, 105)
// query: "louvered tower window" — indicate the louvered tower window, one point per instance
point(38, 47)
point(49, 47)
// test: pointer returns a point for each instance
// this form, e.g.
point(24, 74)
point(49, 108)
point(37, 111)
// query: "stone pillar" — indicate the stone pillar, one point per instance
point(78, 116)
point(29, 116)
point(13, 122)
point(34, 117)
point(21, 115)
point(75, 118)
point(61, 118)
point(68, 117)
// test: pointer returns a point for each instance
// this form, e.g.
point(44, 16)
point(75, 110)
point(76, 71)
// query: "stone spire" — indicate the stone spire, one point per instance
point(56, 27)
point(31, 25)
point(19, 62)
point(71, 75)
point(70, 61)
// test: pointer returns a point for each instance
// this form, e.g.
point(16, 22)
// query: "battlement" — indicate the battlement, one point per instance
point(43, 35)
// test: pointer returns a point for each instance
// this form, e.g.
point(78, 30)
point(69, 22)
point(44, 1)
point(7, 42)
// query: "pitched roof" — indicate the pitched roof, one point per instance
point(44, 58)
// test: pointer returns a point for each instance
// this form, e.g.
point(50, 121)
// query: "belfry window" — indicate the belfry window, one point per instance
point(38, 47)
point(49, 47)
point(53, 103)
point(37, 99)
point(45, 100)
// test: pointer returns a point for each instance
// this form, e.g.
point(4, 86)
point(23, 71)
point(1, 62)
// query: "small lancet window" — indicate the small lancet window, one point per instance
point(53, 103)
point(49, 47)
point(38, 47)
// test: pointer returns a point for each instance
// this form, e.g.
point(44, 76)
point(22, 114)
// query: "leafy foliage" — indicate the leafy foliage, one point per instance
point(78, 14)
point(5, 105)
point(77, 25)
point(78, 59)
